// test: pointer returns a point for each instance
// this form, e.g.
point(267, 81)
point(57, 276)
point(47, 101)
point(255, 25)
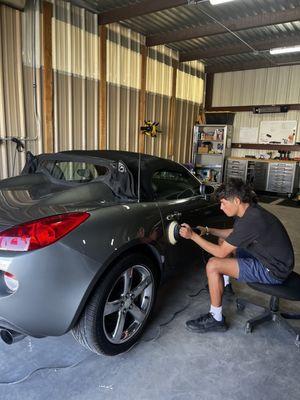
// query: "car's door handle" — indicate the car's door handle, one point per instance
point(175, 215)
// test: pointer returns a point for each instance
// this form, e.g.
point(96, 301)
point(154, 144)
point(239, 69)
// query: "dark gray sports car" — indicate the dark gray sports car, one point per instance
point(84, 246)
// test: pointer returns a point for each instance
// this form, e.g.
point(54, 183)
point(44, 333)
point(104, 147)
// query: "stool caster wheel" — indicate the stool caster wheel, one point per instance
point(240, 306)
point(248, 328)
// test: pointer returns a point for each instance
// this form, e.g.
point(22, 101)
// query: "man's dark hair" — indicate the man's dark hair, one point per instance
point(235, 187)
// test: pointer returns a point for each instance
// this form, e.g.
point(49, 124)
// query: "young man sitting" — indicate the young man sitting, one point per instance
point(262, 248)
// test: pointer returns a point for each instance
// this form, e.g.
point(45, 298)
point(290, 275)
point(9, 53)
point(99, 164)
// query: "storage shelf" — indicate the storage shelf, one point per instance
point(209, 154)
point(262, 146)
point(215, 138)
point(211, 140)
point(209, 166)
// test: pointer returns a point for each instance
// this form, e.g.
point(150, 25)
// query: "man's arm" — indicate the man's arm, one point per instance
point(221, 233)
point(223, 250)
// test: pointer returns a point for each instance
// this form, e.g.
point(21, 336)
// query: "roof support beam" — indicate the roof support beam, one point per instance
point(292, 40)
point(172, 111)
point(250, 65)
point(47, 78)
point(266, 19)
point(136, 10)
point(142, 98)
point(103, 90)
point(209, 87)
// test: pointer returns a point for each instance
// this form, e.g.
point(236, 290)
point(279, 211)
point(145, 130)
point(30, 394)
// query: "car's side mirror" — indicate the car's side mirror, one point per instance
point(206, 189)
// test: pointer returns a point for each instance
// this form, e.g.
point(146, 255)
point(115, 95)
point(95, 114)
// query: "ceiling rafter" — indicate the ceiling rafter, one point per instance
point(266, 19)
point(138, 9)
point(261, 45)
point(255, 64)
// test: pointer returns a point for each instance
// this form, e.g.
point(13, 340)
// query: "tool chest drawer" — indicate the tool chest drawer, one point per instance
point(236, 169)
point(281, 177)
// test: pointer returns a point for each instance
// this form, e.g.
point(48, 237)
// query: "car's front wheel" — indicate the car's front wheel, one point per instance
point(117, 313)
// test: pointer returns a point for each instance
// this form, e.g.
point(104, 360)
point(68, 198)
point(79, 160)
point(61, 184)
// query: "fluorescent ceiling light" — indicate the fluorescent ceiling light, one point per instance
point(216, 2)
point(282, 50)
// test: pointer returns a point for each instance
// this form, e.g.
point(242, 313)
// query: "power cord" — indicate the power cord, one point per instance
point(236, 35)
point(190, 296)
point(46, 368)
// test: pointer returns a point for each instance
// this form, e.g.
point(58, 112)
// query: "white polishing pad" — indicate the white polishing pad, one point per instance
point(170, 232)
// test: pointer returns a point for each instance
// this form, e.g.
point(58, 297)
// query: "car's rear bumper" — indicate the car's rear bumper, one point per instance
point(8, 325)
point(52, 283)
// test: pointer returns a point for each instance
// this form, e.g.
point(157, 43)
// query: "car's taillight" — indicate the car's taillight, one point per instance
point(40, 233)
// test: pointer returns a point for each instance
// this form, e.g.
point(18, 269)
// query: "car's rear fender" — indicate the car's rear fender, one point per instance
point(135, 247)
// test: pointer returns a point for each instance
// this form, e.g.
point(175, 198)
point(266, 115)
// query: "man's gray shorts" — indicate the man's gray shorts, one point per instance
point(252, 270)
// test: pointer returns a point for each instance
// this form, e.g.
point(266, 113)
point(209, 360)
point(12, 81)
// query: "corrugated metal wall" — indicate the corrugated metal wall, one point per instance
point(278, 85)
point(12, 105)
point(123, 87)
point(76, 71)
point(257, 87)
point(75, 52)
point(189, 99)
point(158, 96)
point(20, 83)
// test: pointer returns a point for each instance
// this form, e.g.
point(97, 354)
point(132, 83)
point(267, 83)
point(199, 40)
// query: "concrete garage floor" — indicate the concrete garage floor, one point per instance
point(176, 364)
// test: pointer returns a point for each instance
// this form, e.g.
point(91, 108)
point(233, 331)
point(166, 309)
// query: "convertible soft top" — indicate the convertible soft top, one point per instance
point(148, 165)
point(118, 176)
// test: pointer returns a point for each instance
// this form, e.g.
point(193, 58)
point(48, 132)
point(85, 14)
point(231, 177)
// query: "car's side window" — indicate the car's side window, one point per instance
point(170, 185)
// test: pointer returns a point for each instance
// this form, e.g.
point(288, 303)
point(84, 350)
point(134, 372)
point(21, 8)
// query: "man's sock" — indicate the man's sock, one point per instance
point(226, 280)
point(216, 312)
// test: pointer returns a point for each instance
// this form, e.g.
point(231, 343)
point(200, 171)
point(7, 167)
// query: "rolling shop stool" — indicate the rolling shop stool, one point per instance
point(289, 290)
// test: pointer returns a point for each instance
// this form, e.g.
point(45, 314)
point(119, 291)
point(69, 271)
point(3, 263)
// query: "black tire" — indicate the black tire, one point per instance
point(93, 329)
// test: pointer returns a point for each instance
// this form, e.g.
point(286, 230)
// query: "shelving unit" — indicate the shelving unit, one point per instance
point(261, 146)
point(211, 144)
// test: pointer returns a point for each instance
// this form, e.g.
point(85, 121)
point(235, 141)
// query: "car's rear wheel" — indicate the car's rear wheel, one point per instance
point(117, 313)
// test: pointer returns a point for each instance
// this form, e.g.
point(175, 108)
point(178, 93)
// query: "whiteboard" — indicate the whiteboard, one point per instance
point(283, 132)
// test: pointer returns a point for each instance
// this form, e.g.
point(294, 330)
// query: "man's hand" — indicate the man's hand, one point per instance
point(221, 251)
point(186, 231)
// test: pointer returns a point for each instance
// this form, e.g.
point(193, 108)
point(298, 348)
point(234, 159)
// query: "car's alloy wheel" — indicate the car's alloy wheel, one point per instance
point(117, 313)
point(128, 304)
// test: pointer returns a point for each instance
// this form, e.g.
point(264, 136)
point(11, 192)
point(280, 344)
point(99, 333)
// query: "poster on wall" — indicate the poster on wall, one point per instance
point(277, 132)
point(248, 135)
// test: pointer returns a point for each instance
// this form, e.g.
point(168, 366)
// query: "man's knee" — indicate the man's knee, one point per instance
point(212, 265)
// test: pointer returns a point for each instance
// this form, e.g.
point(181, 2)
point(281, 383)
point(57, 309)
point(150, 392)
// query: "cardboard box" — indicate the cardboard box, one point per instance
point(203, 150)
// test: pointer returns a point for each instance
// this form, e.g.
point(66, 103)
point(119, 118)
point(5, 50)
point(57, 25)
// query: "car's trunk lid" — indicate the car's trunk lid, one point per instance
point(33, 196)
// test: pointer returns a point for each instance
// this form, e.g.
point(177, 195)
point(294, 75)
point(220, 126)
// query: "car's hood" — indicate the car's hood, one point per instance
point(26, 198)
